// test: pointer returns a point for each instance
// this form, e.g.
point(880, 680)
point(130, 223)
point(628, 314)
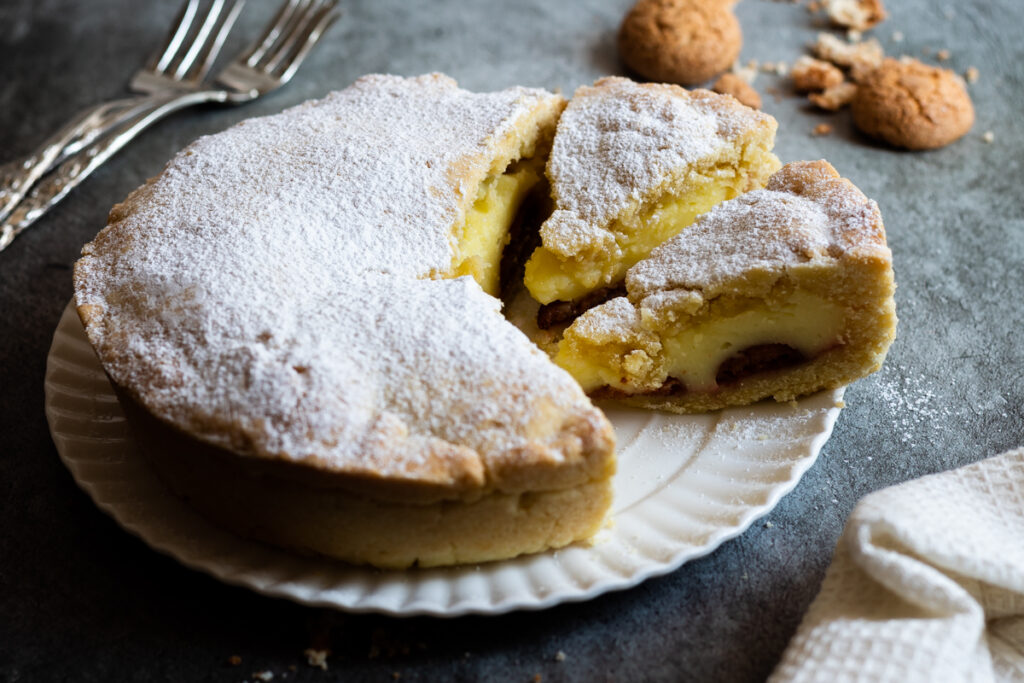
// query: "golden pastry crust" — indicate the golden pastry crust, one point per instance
point(680, 41)
point(281, 293)
point(913, 105)
point(731, 84)
point(384, 524)
point(808, 233)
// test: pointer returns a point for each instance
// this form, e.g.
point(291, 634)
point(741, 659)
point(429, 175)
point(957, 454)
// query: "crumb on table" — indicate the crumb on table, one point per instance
point(317, 658)
point(731, 84)
point(834, 98)
point(810, 74)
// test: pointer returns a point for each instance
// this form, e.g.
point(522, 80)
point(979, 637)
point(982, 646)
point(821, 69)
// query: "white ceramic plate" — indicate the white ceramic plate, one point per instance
point(685, 484)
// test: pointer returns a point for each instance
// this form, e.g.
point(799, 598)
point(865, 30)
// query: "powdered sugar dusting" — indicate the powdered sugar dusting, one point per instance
point(913, 404)
point(805, 213)
point(619, 141)
point(761, 229)
point(266, 291)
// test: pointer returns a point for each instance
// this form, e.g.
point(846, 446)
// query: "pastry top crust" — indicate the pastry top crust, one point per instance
point(269, 293)
point(620, 143)
point(806, 214)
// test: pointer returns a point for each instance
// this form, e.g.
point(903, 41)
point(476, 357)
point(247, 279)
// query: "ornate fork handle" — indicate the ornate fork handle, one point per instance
point(17, 177)
point(67, 176)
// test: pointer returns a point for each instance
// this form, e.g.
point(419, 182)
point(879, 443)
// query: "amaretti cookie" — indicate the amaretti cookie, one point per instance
point(911, 104)
point(680, 41)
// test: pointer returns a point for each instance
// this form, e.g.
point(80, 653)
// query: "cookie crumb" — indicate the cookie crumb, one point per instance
point(897, 36)
point(988, 136)
point(834, 98)
point(748, 71)
point(768, 525)
point(537, 678)
point(821, 129)
point(859, 15)
point(317, 658)
point(942, 55)
point(779, 68)
point(810, 74)
point(840, 53)
point(265, 676)
point(396, 675)
point(972, 74)
point(559, 656)
point(731, 84)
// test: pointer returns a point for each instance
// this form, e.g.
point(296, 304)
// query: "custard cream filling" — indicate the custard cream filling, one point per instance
point(486, 230)
point(551, 277)
point(808, 323)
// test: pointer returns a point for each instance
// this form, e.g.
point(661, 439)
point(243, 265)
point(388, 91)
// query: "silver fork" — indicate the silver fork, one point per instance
point(179, 65)
point(265, 66)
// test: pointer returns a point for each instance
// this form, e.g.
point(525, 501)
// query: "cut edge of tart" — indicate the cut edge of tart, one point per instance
point(778, 293)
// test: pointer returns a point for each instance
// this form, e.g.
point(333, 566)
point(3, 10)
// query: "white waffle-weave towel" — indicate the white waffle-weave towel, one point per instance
point(927, 584)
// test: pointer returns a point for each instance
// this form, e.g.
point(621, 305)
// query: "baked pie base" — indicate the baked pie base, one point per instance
point(309, 512)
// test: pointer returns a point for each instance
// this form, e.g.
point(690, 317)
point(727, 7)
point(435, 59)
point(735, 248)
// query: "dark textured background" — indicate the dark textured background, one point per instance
point(81, 600)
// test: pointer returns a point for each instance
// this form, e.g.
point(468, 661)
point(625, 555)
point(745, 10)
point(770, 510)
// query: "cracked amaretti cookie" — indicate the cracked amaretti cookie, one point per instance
point(777, 293)
point(632, 165)
point(281, 313)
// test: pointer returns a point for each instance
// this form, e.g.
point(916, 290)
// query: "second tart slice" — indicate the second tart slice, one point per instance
point(778, 293)
point(630, 167)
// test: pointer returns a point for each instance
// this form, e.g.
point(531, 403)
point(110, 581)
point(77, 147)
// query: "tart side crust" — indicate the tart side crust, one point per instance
point(389, 525)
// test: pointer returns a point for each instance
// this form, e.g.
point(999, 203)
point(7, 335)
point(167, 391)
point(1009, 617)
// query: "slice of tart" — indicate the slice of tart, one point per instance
point(778, 293)
point(286, 317)
point(631, 166)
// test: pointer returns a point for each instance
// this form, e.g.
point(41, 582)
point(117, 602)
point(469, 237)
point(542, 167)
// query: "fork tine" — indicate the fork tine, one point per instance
point(163, 58)
point(263, 43)
point(294, 21)
point(298, 33)
point(312, 36)
point(199, 40)
point(212, 47)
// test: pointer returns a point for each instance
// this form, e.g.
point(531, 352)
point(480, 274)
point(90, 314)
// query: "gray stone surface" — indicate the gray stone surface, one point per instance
point(82, 600)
